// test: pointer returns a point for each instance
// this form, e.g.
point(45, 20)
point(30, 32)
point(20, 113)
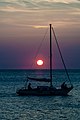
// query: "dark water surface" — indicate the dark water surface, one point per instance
point(13, 107)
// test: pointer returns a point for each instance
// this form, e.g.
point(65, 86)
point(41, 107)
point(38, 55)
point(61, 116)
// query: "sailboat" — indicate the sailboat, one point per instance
point(47, 90)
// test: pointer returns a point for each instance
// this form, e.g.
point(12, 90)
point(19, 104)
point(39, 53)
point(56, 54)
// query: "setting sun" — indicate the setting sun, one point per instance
point(39, 62)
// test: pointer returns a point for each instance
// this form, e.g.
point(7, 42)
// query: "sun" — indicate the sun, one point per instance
point(39, 62)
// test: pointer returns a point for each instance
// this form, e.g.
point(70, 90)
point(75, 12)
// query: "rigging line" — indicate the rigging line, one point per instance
point(61, 54)
point(40, 45)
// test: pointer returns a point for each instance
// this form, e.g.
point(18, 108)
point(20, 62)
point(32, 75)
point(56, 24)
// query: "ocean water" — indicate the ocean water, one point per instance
point(13, 107)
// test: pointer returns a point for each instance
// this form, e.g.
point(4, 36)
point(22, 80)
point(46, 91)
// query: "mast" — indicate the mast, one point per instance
point(50, 56)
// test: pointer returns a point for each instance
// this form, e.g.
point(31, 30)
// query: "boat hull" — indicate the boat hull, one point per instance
point(45, 92)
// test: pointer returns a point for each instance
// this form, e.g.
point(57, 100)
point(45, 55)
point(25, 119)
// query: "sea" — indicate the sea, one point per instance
point(14, 107)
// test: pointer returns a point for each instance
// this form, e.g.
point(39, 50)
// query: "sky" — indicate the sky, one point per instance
point(23, 24)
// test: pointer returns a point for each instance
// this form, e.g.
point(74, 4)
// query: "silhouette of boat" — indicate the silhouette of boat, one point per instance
point(47, 90)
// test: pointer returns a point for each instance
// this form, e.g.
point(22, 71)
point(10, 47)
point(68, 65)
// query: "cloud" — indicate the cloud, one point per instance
point(38, 26)
point(64, 1)
point(23, 5)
